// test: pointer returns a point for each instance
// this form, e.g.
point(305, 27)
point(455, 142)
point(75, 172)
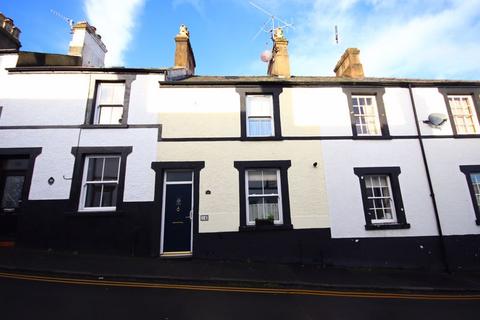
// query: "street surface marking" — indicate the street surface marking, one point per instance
point(326, 293)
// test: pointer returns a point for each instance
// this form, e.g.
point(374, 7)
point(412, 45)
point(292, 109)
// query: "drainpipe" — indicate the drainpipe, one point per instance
point(443, 250)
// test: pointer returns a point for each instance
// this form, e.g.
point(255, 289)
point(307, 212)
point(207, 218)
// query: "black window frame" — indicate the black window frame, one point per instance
point(80, 154)
point(90, 109)
point(393, 173)
point(260, 90)
point(468, 170)
point(378, 93)
point(474, 93)
point(283, 166)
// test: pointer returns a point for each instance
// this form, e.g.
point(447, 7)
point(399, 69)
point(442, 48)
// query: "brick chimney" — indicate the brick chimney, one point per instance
point(349, 65)
point(279, 65)
point(9, 34)
point(86, 43)
point(184, 57)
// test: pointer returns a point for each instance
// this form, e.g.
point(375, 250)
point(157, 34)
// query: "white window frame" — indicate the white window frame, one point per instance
point(278, 194)
point(392, 201)
point(98, 106)
point(270, 116)
point(85, 183)
point(476, 187)
point(473, 114)
point(376, 115)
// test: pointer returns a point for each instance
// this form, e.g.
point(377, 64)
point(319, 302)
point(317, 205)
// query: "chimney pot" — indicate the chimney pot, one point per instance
point(349, 65)
point(279, 64)
point(8, 24)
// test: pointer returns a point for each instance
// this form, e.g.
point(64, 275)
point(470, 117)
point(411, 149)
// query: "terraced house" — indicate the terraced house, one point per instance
point(337, 170)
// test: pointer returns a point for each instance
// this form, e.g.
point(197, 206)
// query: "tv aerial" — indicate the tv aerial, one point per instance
point(273, 22)
point(67, 20)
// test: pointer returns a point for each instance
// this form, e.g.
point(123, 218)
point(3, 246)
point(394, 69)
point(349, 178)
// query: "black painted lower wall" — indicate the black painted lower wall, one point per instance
point(135, 232)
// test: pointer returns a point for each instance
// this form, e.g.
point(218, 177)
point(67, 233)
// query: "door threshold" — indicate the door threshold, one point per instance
point(176, 254)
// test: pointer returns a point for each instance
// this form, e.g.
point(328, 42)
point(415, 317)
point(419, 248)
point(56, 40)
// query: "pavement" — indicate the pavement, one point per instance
point(247, 274)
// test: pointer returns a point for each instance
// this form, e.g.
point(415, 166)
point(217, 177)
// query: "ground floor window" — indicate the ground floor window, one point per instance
point(382, 199)
point(264, 195)
point(263, 190)
point(98, 178)
point(100, 182)
point(472, 173)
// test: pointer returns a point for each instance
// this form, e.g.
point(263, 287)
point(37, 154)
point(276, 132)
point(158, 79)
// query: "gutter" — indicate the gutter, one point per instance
point(443, 250)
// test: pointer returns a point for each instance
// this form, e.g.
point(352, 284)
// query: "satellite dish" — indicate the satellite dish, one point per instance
point(436, 119)
point(266, 56)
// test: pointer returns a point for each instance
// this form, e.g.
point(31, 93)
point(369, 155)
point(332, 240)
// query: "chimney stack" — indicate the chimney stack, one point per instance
point(279, 65)
point(88, 45)
point(184, 57)
point(9, 34)
point(349, 65)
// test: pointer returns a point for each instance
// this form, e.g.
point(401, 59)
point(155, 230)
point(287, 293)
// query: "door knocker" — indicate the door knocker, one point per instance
point(179, 203)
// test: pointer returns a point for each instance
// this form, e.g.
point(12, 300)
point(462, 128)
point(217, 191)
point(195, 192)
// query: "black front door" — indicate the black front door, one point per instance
point(178, 218)
point(13, 173)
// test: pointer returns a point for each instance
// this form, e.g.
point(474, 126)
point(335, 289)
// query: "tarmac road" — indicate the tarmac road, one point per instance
point(38, 297)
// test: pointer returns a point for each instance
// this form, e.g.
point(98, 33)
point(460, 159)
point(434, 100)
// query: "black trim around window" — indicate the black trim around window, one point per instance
point(468, 170)
point(393, 173)
point(31, 154)
point(90, 112)
point(382, 116)
point(281, 165)
point(472, 92)
point(160, 167)
point(80, 154)
point(260, 90)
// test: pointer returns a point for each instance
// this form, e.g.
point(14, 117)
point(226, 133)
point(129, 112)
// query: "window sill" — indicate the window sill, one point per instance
point(466, 135)
point(372, 137)
point(95, 214)
point(104, 126)
point(265, 227)
point(261, 138)
point(387, 226)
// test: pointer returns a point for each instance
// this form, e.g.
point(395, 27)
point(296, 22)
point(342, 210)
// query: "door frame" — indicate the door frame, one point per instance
point(162, 233)
point(31, 154)
point(160, 167)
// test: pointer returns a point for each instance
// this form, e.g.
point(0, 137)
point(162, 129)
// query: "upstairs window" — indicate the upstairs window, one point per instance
point(260, 112)
point(260, 116)
point(463, 114)
point(365, 113)
point(264, 195)
point(100, 183)
point(109, 103)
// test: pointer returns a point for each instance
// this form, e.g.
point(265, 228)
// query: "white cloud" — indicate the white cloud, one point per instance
point(428, 39)
point(115, 21)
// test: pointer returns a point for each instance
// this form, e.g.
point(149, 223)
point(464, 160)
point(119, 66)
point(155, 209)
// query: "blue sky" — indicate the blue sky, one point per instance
point(397, 38)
